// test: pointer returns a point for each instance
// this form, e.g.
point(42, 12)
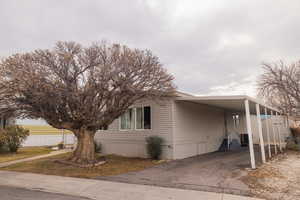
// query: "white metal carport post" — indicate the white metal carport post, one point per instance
point(278, 132)
point(261, 139)
point(273, 133)
point(249, 130)
point(268, 132)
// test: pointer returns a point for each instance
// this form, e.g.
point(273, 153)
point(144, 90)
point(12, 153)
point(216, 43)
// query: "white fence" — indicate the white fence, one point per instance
point(45, 140)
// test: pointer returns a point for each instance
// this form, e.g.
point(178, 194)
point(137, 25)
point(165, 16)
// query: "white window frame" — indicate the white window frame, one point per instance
point(134, 111)
point(120, 126)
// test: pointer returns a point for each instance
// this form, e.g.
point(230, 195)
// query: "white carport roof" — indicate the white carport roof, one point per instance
point(233, 103)
point(247, 105)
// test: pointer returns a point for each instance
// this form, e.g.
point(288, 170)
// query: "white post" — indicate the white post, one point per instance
point(249, 130)
point(268, 133)
point(273, 133)
point(278, 132)
point(261, 139)
point(287, 126)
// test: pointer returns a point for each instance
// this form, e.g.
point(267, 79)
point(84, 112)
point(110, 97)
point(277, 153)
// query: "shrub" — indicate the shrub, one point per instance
point(13, 137)
point(98, 147)
point(293, 147)
point(154, 146)
point(293, 142)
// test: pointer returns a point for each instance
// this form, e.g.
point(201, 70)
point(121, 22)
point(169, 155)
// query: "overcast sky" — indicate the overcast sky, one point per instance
point(211, 47)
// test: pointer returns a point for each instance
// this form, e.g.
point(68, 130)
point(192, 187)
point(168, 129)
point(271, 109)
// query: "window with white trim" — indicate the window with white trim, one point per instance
point(236, 120)
point(127, 119)
point(138, 118)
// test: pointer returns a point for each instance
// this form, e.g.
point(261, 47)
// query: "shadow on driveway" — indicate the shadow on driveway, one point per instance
point(213, 172)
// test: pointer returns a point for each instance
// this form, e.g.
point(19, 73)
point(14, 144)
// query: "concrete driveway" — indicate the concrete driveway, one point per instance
point(214, 172)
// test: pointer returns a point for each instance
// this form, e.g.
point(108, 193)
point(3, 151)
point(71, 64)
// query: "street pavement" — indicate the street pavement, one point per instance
point(106, 190)
point(14, 193)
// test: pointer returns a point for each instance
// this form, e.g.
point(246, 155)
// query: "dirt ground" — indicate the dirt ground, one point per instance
point(277, 179)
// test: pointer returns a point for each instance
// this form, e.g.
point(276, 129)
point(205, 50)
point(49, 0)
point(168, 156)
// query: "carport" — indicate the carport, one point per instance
point(249, 107)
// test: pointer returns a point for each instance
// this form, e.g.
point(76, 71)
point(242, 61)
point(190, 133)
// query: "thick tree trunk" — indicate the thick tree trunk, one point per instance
point(85, 149)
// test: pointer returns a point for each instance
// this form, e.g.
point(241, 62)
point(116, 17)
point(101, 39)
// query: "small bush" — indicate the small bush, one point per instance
point(154, 146)
point(293, 147)
point(13, 137)
point(98, 147)
point(293, 142)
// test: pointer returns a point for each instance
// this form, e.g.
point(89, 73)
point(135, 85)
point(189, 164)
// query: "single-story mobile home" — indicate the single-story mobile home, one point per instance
point(194, 125)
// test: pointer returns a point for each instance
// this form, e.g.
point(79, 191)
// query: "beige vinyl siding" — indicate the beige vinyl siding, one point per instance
point(132, 142)
point(241, 128)
point(235, 131)
point(198, 129)
point(284, 131)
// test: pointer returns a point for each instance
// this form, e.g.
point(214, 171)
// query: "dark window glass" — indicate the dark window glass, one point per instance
point(147, 117)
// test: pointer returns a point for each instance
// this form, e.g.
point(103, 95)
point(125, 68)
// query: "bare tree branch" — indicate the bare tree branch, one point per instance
point(280, 86)
point(78, 88)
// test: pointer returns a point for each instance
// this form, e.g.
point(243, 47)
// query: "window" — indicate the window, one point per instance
point(143, 117)
point(103, 128)
point(236, 120)
point(138, 118)
point(127, 119)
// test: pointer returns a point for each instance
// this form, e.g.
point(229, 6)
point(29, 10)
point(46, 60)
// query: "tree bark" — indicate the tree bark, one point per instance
point(85, 149)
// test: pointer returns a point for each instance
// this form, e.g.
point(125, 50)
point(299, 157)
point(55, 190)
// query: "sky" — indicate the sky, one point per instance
point(212, 47)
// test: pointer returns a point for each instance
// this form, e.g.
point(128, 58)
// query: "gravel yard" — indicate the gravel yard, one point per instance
point(277, 179)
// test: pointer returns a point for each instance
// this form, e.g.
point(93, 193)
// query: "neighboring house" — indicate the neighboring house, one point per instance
point(191, 125)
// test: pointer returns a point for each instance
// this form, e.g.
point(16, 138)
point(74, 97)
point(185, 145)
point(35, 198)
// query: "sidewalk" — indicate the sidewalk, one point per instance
point(53, 153)
point(105, 190)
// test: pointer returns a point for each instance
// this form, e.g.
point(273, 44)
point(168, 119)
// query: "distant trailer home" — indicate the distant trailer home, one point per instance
point(194, 125)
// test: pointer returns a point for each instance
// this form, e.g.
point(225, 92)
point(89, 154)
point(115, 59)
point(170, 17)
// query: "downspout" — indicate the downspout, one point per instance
point(173, 128)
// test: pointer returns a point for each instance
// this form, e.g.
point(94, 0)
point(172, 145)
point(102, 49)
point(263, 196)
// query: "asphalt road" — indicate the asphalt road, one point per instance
point(13, 193)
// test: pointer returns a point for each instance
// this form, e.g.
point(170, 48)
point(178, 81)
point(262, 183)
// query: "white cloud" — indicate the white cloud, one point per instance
point(235, 87)
point(210, 46)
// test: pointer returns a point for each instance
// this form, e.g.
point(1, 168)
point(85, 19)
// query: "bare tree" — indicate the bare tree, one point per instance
point(81, 89)
point(280, 85)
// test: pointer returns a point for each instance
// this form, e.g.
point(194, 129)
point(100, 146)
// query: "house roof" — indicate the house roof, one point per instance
point(235, 103)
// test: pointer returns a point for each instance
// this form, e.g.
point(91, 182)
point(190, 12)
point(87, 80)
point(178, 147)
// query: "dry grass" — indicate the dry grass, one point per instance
point(269, 172)
point(277, 179)
point(114, 165)
point(24, 152)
